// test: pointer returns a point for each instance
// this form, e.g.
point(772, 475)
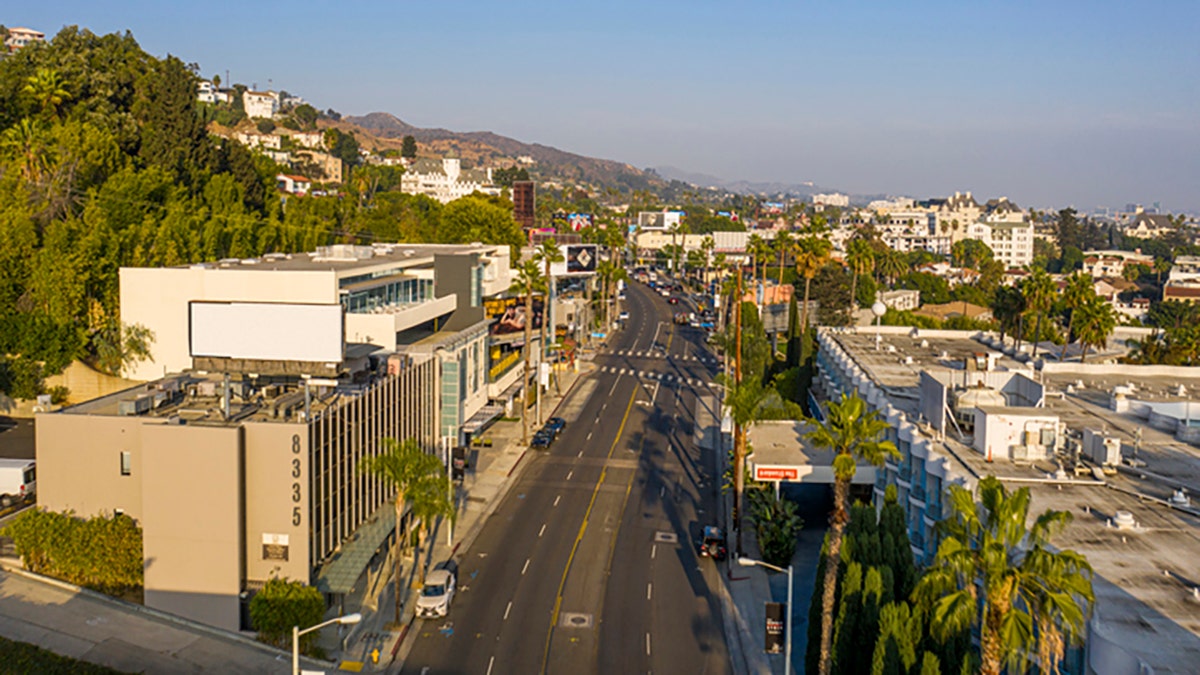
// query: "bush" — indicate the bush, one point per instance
point(19, 658)
point(282, 604)
point(265, 126)
point(103, 553)
point(777, 526)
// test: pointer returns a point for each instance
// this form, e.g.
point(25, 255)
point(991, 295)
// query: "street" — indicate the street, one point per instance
point(589, 564)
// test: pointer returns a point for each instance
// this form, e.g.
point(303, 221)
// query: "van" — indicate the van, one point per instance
point(18, 480)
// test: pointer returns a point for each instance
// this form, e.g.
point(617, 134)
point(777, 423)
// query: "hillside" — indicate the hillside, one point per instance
point(490, 148)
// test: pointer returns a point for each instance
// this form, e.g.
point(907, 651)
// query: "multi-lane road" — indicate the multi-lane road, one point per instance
point(589, 565)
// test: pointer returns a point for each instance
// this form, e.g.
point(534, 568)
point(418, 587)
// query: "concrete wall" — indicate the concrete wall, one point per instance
point(79, 464)
point(192, 486)
point(158, 298)
point(277, 500)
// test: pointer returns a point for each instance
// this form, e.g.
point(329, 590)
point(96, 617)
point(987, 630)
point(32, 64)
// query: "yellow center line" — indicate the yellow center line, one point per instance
point(582, 527)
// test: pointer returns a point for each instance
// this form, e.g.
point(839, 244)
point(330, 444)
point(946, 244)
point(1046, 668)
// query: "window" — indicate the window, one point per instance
point(126, 463)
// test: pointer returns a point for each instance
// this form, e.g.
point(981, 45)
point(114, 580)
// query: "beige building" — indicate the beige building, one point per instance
point(260, 104)
point(328, 167)
point(1011, 242)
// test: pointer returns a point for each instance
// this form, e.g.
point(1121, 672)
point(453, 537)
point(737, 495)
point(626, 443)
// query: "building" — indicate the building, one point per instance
point(954, 215)
point(1002, 211)
point(1011, 242)
point(255, 140)
point(445, 180)
point(1113, 263)
point(19, 37)
point(659, 220)
point(524, 210)
point(901, 300)
point(834, 199)
point(207, 92)
point(1148, 225)
point(295, 185)
point(321, 164)
point(951, 310)
point(1111, 444)
point(260, 104)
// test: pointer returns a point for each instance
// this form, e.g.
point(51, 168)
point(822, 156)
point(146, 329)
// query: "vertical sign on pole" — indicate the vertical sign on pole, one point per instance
point(775, 626)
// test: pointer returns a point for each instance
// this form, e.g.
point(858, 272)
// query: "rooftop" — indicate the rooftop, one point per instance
point(344, 257)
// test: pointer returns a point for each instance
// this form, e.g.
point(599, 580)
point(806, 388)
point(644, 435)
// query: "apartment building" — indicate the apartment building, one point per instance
point(1011, 242)
point(445, 180)
point(260, 104)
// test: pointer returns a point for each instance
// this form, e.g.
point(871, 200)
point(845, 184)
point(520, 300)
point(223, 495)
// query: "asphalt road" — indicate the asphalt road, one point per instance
point(589, 564)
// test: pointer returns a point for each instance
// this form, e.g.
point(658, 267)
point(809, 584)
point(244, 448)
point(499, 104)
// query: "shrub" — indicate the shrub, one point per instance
point(282, 604)
point(103, 553)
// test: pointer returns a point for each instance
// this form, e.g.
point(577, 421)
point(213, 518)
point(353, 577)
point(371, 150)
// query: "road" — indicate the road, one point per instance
point(588, 565)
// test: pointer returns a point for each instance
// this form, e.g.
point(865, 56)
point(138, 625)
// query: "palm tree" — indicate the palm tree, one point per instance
point(1094, 322)
point(46, 88)
point(706, 246)
point(851, 432)
point(988, 550)
point(402, 465)
point(431, 498)
point(783, 245)
point(1079, 289)
point(861, 259)
point(1007, 307)
point(811, 255)
point(547, 253)
point(760, 251)
point(749, 401)
point(1039, 292)
point(891, 265)
point(529, 281)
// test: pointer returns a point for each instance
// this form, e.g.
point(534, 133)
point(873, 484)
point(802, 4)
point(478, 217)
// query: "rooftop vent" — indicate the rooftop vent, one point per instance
point(924, 344)
point(1123, 520)
point(1181, 391)
point(1180, 498)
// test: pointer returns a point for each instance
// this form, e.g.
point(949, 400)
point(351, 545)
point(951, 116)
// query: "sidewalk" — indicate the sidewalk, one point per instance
point(485, 484)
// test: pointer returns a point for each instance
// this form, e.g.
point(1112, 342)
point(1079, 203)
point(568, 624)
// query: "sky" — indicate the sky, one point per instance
point(1050, 103)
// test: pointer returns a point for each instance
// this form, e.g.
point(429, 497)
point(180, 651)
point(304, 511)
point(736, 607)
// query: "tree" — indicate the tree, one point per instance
point(283, 604)
point(547, 253)
point(408, 147)
point(783, 245)
point(851, 432)
point(995, 572)
point(970, 253)
point(811, 255)
point(402, 465)
point(306, 115)
point(1008, 306)
point(431, 498)
point(529, 281)
point(47, 90)
point(1094, 322)
point(760, 253)
point(861, 259)
point(265, 126)
point(173, 134)
point(777, 523)
point(891, 265)
point(1079, 289)
point(749, 401)
point(1040, 292)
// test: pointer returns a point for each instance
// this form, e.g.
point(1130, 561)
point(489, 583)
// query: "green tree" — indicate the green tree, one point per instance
point(1080, 288)
point(861, 259)
point(283, 604)
point(306, 115)
point(408, 147)
point(812, 253)
point(265, 126)
point(1040, 292)
point(173, 135)
point(528, 282)
point(476, 218)
point(970, 253)
point(46, 88)
point(1007, 307)
point(431, 498)
point(851, 432)
point(777, 524)
point(402, 465)
point(1094, 322)
point(891, 265)
point(996, 572)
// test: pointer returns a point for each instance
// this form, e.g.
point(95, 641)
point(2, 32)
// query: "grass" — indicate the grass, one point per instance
point(20, 658)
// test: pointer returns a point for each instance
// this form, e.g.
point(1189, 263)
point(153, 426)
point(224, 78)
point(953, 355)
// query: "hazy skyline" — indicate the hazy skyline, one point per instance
point(1048, 103)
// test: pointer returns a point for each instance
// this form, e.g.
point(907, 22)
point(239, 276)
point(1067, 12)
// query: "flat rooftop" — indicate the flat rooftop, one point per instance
point(343, 257)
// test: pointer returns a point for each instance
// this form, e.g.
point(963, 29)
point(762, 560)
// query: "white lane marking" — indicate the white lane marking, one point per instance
point(614, 387)
point(652, 396)
point(649, 593)
point(507, 610)
point(492, 661)
point(589, 436)
point(540, 533)
point(569, 474)
point(556, 500)
point(641, 373)
point(580, 454)
point(526, 567)
point(647, 644)
point(653, 550)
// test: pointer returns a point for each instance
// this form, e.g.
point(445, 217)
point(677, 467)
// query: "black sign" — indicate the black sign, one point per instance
point(275, 552)
point(458, 463)
point(776, 624)
point(581, 258)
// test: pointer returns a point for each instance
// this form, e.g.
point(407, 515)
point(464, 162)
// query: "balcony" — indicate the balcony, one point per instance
point(917, 494)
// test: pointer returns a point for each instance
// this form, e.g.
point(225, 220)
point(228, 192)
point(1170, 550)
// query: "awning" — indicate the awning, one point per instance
point(510, 393)
point(480, 419)
point(343, 570)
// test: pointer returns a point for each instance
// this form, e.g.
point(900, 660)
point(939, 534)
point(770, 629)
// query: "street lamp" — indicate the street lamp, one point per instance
point(787, 636)
point(296, 633)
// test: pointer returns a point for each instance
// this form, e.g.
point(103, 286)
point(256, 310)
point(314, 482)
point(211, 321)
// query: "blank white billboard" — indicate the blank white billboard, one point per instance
point(266, 331)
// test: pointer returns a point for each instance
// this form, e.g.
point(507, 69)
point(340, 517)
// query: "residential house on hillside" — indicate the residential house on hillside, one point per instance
point(954, 276)
point(254, 140)
point(1148, 226)
point(445, 180)
point(295, 185)
point(1183, 283)
point(951, 310)
point(19, 37)
point(314, 140)
point(321, 164)
point(207, 92)
point(260, 104)
point(903, 299)
point(1113, 263)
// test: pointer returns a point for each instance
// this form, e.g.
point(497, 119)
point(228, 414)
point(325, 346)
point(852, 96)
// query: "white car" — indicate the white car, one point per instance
point(623, 316)
point(438, 591)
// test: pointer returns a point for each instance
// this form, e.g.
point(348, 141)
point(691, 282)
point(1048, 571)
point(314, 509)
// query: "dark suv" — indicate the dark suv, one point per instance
point(712, 543)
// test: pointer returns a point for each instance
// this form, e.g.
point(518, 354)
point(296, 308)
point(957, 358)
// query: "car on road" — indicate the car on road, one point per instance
point(712, 543)
point(673, 300)
point(623, 316)
point(542, 439)
point(555, 425)
point(438, 591)
point(18, 481)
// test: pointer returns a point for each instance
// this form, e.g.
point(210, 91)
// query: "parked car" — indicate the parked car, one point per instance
point(438, 591)
point(18, 480)
point(542, 439)
point(673, 300)
point(623, 316)
point(712, 543)
point(555, 425)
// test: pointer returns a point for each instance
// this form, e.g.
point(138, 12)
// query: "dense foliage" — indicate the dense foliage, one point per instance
point(103, 552)
point(283, 604)
point(105, 161)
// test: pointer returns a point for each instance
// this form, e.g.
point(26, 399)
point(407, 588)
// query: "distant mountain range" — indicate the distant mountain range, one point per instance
point(485, 147)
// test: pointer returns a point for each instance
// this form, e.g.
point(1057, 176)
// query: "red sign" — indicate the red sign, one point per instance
point(775, 473)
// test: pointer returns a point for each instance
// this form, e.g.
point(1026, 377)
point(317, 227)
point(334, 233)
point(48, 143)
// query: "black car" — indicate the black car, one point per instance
point(555, 425)
point(542, 439)
point(712, 543)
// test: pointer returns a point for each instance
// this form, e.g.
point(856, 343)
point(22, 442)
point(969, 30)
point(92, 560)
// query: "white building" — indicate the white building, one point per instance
point(19, 37)
point(1012, 243)
point(260, 104)
point(253, 140)
point(207, 92)
point(296, 185)
point(834, 199)
point(446, 180)
point(1113, 263)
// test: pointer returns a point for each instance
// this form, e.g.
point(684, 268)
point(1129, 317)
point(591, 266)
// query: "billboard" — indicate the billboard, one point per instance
point(509, 314)
point(578, 221)
point(266, 331)
point(578, 260)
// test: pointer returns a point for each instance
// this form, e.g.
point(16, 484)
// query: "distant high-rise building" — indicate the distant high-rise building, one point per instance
point(522, 197)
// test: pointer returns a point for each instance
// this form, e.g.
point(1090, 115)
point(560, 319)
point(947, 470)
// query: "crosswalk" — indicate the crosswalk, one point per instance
point(666, 378)
point(655, 354)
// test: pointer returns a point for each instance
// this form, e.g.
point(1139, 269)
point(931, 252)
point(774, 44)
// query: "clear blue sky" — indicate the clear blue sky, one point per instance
point(1049, 103)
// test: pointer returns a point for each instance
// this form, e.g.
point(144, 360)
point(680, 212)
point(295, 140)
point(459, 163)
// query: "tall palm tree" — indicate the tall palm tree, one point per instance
point(402, 465)
point(760, 252)
point(851, 431)
point(783, 245)
point(1007, 307)
point(547, 253)
point(706, 246)
point(1080, 287)
point(861, 259)
point(1094, 322)
point(994, 571)
point(1039, 292)
point(431, 498)
point(892, 264)
point(749, 402)
point(811, 255)
point(529, 281)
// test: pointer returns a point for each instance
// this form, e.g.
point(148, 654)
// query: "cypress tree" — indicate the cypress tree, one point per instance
point(173, 133)
point(896, 649)
point(794, 334)
point(894, 545)
point(846, 621)
point(930, 665)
